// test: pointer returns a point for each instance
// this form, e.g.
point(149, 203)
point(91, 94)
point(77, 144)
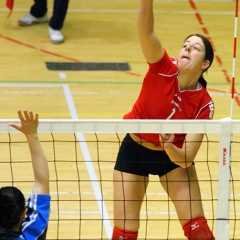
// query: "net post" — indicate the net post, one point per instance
point(223, 195)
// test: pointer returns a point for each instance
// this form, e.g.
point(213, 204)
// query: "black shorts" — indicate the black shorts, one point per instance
point(136, 159)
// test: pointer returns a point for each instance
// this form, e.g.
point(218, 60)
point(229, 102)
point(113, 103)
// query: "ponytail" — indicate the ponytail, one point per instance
point(202, 81)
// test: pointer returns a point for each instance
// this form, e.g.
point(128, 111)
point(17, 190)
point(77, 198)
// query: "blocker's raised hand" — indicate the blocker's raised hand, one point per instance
point(29, 122)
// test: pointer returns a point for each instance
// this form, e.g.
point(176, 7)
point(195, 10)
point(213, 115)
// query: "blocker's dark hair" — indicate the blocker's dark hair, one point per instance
point(12, 205)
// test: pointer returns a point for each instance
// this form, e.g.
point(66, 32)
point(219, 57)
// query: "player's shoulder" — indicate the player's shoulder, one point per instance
point(165, 67)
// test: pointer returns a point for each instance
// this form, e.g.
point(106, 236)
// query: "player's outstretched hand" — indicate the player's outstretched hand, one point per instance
point(29, 122)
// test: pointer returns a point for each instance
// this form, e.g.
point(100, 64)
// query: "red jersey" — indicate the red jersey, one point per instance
point(161, 98)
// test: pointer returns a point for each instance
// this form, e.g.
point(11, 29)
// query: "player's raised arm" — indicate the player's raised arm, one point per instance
point(151, 46)
point(28, 126)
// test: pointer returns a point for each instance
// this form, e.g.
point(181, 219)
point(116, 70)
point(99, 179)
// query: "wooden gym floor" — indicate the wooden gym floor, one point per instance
point(105, 31)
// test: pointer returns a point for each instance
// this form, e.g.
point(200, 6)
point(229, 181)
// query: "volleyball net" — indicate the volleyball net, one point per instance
point(81, 156)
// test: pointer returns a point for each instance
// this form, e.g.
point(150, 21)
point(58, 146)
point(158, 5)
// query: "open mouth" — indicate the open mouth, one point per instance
point(185, 57)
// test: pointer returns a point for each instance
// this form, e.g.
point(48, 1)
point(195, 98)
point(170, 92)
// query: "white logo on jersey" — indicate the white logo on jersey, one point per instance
point(211, 108)
point(173, 111)
point(194, 226)
point(122, 238)
point(176, 100)
point(177, 105)
point(179, 99)
point(174, 61)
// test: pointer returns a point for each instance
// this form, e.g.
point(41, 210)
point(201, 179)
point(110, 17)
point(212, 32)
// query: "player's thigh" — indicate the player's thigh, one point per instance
point(182, 186)
point(129, 191)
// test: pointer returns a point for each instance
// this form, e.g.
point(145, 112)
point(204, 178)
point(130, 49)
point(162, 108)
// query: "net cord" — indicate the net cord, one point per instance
point(125, 126)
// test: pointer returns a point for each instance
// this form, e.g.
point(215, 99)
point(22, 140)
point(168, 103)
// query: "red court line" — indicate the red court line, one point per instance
point(218, 58)
point(52, 53)
point(221, 91)
point(38, 49)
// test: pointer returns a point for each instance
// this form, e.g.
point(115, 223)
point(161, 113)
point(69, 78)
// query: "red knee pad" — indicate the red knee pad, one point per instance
point(121, 234)
point(198, 229)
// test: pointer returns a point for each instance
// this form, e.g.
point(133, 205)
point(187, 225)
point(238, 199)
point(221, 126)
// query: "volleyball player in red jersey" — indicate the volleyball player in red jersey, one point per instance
point(172, 89)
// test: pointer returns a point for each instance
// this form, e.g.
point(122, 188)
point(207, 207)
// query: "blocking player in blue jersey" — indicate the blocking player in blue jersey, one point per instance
point(18, 221)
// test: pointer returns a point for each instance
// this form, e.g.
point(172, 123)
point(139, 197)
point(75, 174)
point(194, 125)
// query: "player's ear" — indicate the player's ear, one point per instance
point(206, 64)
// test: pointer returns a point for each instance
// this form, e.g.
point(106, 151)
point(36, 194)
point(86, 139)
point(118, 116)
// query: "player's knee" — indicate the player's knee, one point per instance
point(124, 234)
point(198, 229)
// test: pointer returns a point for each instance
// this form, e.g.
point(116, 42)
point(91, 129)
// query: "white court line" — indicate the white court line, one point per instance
point(142, 213)
point(62, 75)
point(96, 212)
point(148, 193)
point(31, 85)
point(129, 11)
point(13, 92)
point(104, 193)
point(89, 164)
point(67, 193)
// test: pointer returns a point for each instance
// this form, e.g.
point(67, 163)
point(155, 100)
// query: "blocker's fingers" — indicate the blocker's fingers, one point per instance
point(31, 116)
point(26, 114)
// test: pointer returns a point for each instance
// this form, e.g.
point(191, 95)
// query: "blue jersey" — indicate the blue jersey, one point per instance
point(34, 226)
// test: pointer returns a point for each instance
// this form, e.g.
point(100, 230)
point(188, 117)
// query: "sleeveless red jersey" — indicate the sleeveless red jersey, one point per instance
point(161, 98)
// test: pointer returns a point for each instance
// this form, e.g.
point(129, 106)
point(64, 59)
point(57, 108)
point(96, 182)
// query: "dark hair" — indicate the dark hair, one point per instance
point(12, 205)
point(9, 234)
point(209, 54)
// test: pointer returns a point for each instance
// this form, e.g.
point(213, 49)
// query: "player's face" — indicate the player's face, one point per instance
point(191, 55)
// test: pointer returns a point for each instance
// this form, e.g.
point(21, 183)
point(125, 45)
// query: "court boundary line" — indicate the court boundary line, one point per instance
point(126, 11)
point(89, 164)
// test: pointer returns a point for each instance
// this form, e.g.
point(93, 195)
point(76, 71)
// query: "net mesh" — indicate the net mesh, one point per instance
point(81, 166)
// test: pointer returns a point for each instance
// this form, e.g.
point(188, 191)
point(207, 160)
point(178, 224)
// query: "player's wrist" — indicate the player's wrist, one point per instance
point(32, 136)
